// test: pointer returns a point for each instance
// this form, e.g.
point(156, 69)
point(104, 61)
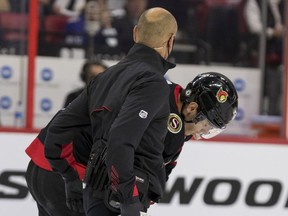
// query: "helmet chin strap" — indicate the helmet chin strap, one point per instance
point(191, 121)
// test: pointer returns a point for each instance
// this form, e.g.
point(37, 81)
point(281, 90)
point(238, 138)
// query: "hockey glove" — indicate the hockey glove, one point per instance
point(73, 190)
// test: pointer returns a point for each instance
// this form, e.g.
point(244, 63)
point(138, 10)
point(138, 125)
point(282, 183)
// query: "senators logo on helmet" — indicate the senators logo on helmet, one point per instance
point(221, 95)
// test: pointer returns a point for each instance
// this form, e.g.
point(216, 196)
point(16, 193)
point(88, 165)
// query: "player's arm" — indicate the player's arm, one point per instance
point(170, 165)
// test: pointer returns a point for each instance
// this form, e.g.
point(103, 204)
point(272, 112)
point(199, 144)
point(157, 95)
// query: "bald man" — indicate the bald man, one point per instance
point(127, 108)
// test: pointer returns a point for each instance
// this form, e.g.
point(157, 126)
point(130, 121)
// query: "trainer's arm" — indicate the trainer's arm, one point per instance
point(140, 108)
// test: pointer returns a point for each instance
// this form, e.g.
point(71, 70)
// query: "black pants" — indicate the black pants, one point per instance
point(48, 190)
point(95, 206)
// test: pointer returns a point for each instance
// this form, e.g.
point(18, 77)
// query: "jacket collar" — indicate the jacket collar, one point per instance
point(147, 54)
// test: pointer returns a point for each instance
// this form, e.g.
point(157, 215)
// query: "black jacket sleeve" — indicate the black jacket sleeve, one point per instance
point(64, 126)
point(141, 106)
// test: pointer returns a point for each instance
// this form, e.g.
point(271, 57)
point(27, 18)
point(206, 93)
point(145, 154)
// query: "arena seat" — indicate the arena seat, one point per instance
point(54, 26)
point(13, 26)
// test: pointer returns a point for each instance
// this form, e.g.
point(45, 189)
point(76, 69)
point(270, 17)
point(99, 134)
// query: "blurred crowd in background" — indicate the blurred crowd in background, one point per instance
point(223, 31)
point(210, 31)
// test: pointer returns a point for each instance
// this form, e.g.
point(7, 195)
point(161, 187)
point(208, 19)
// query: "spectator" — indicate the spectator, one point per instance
point(92, 16)
point(89, 70)
point(273, 73)
point(79, 30)
point(106, 39)
point(75, 34)
point(103, 37)
point(125, 24)
point(69, 8)
point(93, 30)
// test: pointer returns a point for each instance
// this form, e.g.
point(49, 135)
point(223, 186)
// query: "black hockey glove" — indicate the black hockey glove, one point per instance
point(133, 209)
point(73, 190)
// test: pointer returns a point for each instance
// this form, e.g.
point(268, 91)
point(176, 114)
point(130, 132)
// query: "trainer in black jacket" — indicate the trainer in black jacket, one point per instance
point(128, 108)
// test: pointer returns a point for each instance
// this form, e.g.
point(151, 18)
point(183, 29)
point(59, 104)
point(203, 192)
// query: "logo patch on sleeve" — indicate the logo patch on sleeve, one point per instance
point(143, 114)
point(174, 123)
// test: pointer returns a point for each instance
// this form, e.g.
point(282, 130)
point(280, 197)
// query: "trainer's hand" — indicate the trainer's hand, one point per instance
point(73, 190)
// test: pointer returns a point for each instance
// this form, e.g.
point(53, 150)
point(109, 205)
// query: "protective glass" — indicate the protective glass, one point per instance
point(212, 133)
point(210, 130)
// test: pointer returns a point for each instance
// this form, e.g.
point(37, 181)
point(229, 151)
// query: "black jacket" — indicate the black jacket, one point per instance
point(128, 106)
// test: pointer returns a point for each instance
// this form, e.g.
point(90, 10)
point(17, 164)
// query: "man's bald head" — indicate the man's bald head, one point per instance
point(155, 27)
